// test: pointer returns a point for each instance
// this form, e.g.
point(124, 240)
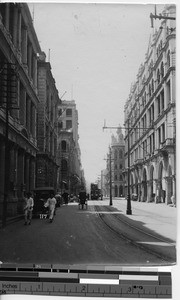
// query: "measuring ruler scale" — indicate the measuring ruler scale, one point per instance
point(125, 283)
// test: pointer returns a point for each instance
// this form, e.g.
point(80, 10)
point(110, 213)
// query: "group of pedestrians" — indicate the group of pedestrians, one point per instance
point(50, 204)
point(29, 204)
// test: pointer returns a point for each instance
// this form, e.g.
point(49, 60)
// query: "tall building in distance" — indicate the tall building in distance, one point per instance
point(70, 175)
point(150, 114)
point(114, 172)
point(46, 159)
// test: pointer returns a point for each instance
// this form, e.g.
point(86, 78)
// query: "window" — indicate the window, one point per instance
point(168, 91)
point(69, 112)
point(149, 90)
point(63, 145)
point(163, 132)
point(158, 76)
point(152, 86)
point(64, 165)
point(152, 112)
point(120, 154)
point(162, 70)
point(68, 124)
point(120, 166)
point(60, 126)
point(159, 136)
point(120, 178)
point(162, 100)
point(168, 59)
point(158, 105)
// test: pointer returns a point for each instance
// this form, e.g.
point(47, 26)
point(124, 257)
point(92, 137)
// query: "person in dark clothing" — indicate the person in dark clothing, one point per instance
point(65, 196)
point(82, 197)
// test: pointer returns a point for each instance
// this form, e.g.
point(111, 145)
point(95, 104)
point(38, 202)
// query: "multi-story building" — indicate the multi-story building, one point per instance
point(116, 159)
point(151, 121)
point(19, 47)
point(46, 161)
point(70, 176)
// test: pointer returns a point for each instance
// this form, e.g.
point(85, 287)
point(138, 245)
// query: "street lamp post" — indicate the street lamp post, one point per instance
point(128, 211)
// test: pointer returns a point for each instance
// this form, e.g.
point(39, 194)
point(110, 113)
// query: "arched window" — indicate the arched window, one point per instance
point(120, 178)
point(63, 145)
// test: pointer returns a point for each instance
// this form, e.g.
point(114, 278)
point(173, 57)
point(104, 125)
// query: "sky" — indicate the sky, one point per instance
point(95, 51)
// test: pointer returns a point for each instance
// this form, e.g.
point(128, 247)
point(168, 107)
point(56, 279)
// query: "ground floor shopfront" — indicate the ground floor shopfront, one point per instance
point(20, 169)
point(155, 179)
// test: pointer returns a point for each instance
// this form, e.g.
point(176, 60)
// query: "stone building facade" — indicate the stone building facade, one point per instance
point(46, 159)
point(70, 175)
point(116, 159)
point(150, 115)
point(19, 47)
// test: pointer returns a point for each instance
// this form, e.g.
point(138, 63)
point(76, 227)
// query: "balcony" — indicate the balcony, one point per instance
point(139, 161)
point(166, 147)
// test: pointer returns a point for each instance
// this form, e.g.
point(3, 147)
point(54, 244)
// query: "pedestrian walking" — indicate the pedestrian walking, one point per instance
point(51, 204)
point(65, 196)
point(82, 198)
point(28, 208)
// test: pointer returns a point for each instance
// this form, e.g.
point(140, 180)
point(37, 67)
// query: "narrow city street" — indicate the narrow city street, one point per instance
point(99, 235)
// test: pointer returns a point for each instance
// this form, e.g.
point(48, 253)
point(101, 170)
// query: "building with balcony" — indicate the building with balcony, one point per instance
point(46, 159)
point(19, 48)
point(70, 175)
point(150, 119)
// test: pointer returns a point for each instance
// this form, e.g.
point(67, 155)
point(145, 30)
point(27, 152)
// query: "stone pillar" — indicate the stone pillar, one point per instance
point(33, 120)
point(32, 173)
point(27, 173)
point(15, 26)
point(168, 189)
point(22, 104)
point(149, 190)
point(158, 192)
point(173, 198)
point(2, 171)
point(20, 173)
point(7, 16)
point(19, 30)
point(139, 191)
point(28, 113)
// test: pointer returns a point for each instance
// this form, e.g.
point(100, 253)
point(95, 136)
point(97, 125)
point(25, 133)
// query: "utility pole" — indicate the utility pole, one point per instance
point(128, 211)
point(160, 17)
point(110, 178)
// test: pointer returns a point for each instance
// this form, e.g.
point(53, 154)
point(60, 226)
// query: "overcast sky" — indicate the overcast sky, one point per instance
point(95, 53)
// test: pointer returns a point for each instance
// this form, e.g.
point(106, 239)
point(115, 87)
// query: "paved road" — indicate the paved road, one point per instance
point(74, 237)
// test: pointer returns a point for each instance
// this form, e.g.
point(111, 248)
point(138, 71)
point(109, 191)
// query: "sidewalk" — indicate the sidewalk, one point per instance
point(11, 220)
point(160, 218)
